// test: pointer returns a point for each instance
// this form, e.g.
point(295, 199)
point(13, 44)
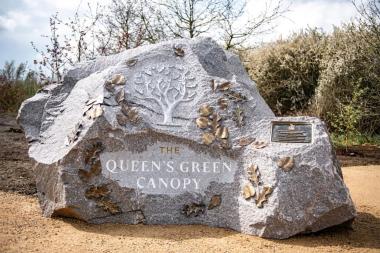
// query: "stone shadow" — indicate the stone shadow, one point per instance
point(363, 233)
point(166, 232)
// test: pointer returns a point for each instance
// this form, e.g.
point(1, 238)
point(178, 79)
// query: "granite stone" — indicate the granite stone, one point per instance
point(177, 133)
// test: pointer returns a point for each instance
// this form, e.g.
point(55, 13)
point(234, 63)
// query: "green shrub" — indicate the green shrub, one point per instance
point(287, 71)
point(348, 93)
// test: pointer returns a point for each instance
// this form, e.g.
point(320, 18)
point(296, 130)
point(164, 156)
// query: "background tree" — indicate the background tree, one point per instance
point(237, 26)
point(55, 56)
point(127, 24)
point(11, 73)
point(81, 37)
point(189, 18)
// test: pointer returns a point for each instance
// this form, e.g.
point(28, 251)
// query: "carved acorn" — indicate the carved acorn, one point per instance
point(120, 96)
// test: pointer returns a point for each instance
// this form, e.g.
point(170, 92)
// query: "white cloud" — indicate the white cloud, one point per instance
point(323, 14)
point(13, 20)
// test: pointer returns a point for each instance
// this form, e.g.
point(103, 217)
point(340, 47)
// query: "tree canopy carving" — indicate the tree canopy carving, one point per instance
point(167, 86)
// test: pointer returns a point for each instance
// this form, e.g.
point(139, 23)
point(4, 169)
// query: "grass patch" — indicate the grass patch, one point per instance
point(13, 94)
point(343, 141)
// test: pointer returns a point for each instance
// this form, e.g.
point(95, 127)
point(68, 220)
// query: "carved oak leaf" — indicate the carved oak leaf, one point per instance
point(208, 138)
point(214, 202)
point(205, 110)
point(245, 141)
point(239, 116)
point(263, 196)
point(253, 174)
point(215, 122)
point(202, 122)
point(222, 132)
point(120, 96)
point(235, 96)
point(224, 86)
point(286, 163)
point(213, 85)
point(118, 79)
point(223, 103)
point(179, 51)
point(248, 191)
point(259, 144)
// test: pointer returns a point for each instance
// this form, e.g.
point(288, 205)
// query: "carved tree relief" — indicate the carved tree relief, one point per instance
point(168, 86)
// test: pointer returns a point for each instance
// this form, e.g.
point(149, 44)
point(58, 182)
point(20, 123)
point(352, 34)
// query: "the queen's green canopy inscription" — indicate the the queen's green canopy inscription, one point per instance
point(166, 168)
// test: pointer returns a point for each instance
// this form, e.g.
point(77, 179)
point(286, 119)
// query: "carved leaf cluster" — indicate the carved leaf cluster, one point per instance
point(254, 189)
point(211, 122)
point(92, 166)
point(230, 97)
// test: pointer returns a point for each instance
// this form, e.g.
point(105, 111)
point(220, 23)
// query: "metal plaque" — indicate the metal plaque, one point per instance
point(291, 132)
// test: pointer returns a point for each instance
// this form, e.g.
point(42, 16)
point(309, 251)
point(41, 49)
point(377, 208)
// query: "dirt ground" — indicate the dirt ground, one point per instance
point(23, 229)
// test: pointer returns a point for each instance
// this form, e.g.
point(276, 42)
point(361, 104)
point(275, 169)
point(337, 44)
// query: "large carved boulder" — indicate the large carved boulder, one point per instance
point(177, 133)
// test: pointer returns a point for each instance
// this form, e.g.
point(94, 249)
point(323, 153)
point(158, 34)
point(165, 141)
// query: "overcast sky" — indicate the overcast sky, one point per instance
point(22, 21)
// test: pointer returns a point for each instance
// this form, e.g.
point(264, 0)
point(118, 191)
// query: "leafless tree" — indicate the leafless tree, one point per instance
point(82, 27)
point(237, 29)
point(189, 18)
point(127, 24)
point(168, 86)
point(56, 54)
point(369, 20)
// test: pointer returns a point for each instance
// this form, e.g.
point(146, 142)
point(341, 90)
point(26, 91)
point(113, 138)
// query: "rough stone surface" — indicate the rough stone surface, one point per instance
point(122, 140)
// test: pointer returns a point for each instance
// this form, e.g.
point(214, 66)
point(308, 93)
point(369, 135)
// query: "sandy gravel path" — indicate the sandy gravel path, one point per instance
point(22, 229)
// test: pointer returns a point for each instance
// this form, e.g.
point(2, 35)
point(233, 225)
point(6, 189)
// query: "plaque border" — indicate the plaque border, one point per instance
point(294, 123)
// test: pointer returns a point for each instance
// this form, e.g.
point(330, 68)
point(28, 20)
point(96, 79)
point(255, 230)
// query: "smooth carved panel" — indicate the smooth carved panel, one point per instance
point(165, 168)
point(167, 86)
